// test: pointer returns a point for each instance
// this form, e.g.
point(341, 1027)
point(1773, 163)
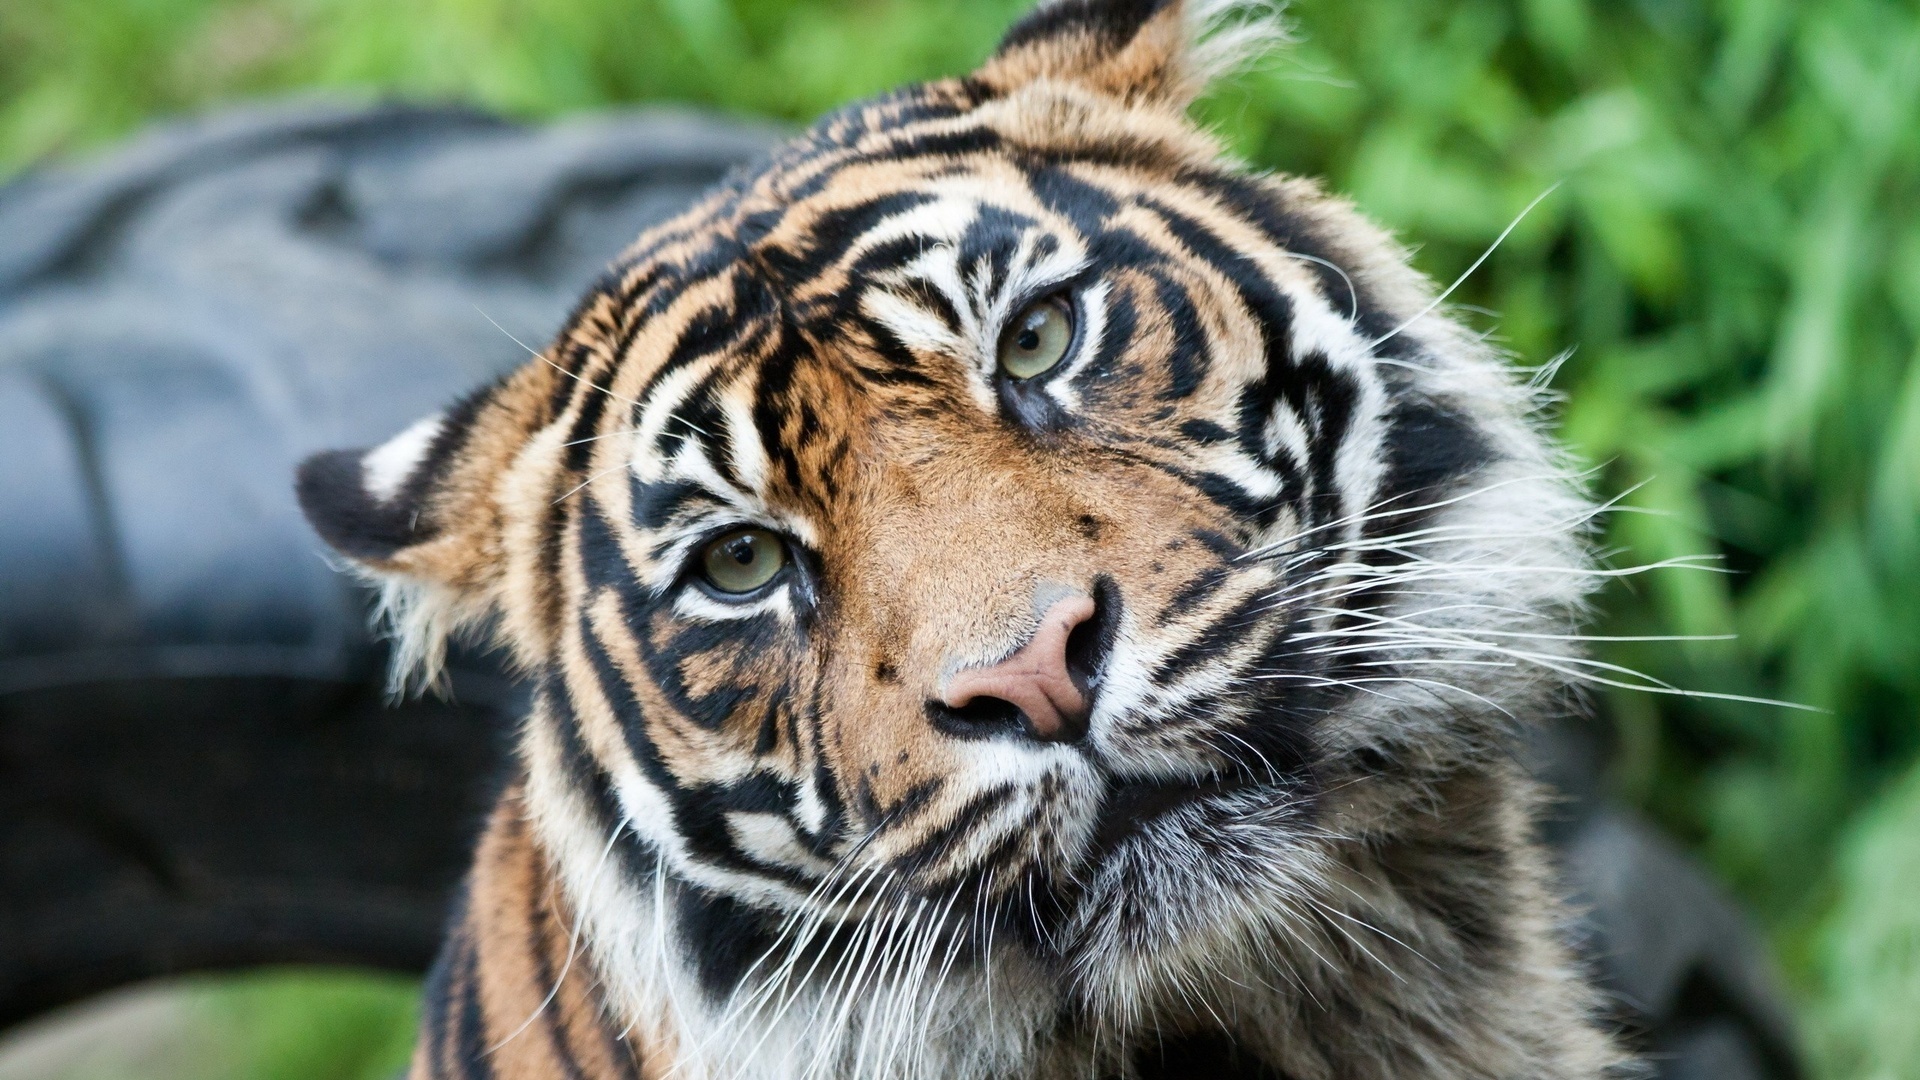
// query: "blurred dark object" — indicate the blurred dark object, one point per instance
point(197, 766)
point(1689, 976)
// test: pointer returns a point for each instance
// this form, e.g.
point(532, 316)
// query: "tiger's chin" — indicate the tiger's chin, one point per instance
point(1188, 885)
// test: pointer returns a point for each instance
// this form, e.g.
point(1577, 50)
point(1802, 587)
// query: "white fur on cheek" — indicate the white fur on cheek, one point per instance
point(386, 468)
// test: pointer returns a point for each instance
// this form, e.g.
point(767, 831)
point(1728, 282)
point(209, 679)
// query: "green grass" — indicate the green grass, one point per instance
point(1733, 256)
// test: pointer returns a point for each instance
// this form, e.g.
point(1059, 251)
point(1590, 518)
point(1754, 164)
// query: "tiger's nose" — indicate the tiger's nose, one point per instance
point(1035, 682)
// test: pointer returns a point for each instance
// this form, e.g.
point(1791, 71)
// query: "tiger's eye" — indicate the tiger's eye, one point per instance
point(1037, 339)
point(743, 560)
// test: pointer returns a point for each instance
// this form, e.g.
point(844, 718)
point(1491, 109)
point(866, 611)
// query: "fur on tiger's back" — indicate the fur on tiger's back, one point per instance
point(1008, 592)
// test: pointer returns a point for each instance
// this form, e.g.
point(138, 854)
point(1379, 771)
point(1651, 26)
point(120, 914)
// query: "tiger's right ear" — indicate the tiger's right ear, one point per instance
point(1155, 53)
point(423, 516)
point(373, 506)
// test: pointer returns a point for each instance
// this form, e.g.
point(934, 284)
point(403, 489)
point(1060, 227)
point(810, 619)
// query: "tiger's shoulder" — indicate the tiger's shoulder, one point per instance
point(512, 993)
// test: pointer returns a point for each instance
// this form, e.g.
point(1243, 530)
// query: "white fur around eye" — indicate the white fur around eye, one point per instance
point(1088, 336)
point(692, 603)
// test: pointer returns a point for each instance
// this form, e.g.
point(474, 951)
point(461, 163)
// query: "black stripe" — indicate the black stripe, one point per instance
point(470, 1019)
point(1111, 23)
point(833, 234)
point(938, 842)
point(545, 978)
point(777, 369)
point(942, 143)
point(1192, 353)
point(620, 1051)
point(655, 503)
point(1190, 595)
point(990, 242)
point(1427, 446)
point(593, 403)
point(710, 330)
point(1327, 401)
point(1271, 309)
point(698, 811)
point(1088, 206)
point(741, 640)
point(585, 774)
point(436, 997)
point(1223, 634)
point(1255, 201)
point(723, 936)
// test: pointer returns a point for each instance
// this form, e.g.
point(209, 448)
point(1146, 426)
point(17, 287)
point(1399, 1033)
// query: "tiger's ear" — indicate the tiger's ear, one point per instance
point(1145, 52)
point(423, 516)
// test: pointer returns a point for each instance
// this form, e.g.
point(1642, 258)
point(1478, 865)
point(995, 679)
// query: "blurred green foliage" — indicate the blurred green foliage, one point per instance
point(1734, 257)
point(310, 1024)
point(1865, 1024)
point(270, 1024)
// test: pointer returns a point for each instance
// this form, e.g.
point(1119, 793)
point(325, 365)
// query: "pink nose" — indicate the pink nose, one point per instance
point(1035, 679)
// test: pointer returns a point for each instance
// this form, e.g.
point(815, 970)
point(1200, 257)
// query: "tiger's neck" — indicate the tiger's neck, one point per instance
point(516, 993)
point(556, 967)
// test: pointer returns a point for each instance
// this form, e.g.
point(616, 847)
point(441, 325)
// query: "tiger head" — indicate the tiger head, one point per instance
point(996, 540)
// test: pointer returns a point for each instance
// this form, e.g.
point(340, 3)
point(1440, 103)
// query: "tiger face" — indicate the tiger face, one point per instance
point(996, 538)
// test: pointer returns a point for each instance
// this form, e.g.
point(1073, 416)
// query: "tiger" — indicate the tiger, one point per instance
point(1010, 591)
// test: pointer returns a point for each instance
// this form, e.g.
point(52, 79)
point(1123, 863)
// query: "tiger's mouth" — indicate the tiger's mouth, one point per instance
point(1131, 806)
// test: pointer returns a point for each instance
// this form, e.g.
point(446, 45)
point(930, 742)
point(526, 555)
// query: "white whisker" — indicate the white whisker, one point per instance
point(1468, 272)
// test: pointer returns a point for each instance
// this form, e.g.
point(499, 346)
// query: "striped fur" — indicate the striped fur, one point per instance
point(508, 996)
point(1333, 565)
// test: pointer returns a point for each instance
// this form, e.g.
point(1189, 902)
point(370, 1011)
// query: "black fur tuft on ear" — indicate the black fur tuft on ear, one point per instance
point(349, 516)
point(1159, 53)
point(371, 505)
point(1110, 23)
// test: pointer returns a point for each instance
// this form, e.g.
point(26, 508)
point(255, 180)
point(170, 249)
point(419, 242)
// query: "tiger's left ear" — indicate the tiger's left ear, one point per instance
point(1159, 53)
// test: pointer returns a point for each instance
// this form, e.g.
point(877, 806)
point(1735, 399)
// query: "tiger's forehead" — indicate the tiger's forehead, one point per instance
point(846, 300)
point(747, 339)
